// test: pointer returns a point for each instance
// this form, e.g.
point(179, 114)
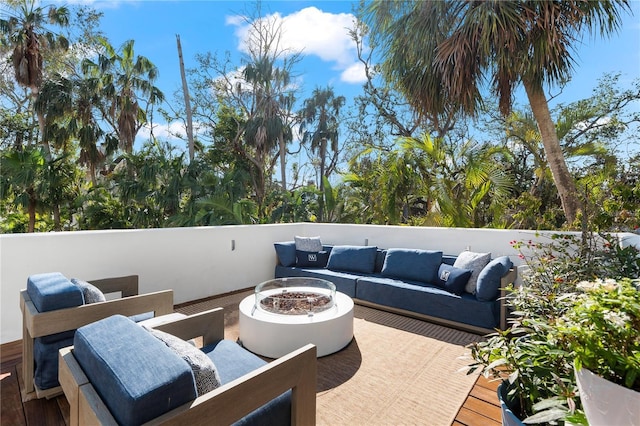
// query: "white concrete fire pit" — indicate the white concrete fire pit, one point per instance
point(284, 314)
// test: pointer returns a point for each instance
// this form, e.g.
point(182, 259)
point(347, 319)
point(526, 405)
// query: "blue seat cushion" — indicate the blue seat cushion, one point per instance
point(45, 356)
point(345, 282)
point(232, 362)
point(137, 376)
point(52, 291)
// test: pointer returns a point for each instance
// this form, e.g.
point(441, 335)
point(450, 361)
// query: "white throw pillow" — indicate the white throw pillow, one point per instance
point(312, 244)
point(474, 261)
point(204, 370)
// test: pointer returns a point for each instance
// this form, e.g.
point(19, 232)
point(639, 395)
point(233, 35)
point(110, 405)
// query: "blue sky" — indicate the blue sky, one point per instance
point(319, 28)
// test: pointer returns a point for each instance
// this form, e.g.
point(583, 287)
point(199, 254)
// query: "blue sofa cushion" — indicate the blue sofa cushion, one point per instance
point(353, 259)
point(233, 362)
point(453, 279)
point(286, 252)
point(475, 262)
point(90, 293)
point(412, 264)
point(345, 282)
point(52, 291)
point(136, 375)
point(311, 259)
point(308, 243)
point(488, 285)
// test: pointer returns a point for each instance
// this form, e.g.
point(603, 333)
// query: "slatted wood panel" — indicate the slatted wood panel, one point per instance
point(480, 408)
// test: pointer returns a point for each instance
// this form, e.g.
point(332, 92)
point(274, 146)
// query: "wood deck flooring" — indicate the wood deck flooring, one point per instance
point(479, 409)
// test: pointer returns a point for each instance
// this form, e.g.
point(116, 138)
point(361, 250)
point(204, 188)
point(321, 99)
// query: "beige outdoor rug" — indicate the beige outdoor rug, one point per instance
point(396, 370)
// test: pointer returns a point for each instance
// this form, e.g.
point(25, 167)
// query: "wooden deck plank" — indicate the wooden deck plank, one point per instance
point(472, 418)
point(11, 411)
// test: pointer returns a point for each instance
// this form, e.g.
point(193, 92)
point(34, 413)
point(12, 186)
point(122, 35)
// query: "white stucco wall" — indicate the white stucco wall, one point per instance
point(200, 262)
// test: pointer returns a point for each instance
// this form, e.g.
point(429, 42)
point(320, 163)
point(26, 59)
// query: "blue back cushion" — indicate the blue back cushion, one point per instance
point(453, 279)
point(52, 291)
point(286, 252)
point(488, 285)
point(353, 259)
point(136, 375)
point(412, 264)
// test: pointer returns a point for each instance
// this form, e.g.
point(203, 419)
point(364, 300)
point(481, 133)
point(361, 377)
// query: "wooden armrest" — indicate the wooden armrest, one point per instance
point(229, 403)
point(208, 324)
point(505, 281)
point(46, 323)
point(127, 285)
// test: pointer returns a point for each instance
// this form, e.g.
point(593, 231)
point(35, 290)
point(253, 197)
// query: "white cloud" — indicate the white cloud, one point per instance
point(314, 33)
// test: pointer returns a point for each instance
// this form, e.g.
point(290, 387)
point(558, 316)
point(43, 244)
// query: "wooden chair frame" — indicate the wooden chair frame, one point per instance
point(38, 324)
point(296, 371)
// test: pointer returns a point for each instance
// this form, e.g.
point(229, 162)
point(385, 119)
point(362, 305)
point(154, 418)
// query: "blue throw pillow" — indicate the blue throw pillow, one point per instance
point(353, 259)
point(453, 279)
point(488, 285)
point(286, 252)
point(311, 259)
point(412, 264)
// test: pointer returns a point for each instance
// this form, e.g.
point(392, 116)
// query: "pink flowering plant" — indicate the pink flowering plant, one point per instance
point(602, 330)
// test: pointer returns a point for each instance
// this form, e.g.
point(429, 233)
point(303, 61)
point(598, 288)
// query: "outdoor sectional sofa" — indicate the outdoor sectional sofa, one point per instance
point(422, 283)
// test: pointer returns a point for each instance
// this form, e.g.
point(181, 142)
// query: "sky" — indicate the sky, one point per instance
point(318, 28)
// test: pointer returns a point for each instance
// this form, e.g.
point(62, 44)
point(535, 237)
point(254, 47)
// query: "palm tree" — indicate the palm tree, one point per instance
point(440, 53)
point(321, 113)
point(25, 31)
point(126, 80)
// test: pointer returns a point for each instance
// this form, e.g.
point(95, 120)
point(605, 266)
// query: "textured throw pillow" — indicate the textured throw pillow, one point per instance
point(488, 285)
point(475, 262)
point(412, 264)
point(312, 259)
point(205, 373)
point(453, 279)
point(286, 252)
point(308, 243)
point(353, 259)
point(91, 293)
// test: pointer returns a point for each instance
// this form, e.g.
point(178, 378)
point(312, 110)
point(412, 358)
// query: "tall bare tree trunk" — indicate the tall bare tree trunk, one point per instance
point(187, 102)
point(555, 157)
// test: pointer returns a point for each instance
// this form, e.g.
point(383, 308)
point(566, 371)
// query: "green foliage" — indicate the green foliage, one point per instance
point(532, 355)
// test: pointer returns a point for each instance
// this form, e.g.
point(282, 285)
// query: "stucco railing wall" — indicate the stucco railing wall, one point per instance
point(204, 261)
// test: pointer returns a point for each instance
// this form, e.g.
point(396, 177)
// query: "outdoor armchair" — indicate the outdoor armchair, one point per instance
point(52, 310)
point(98, 377)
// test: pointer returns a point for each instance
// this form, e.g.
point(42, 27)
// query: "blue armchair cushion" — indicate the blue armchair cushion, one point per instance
point(353, 259)
point(453, 279)
point(286, 252)
point(488, 285)
point(233, 361)
point(137, 376)
point(412, 264)
point(45, 355)
point(311, 259)
point(90, 293)
point(52, 291)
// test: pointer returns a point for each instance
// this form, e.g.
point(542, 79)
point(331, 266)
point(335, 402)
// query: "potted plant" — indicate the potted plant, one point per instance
point(602, 332)
point(531, 358)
